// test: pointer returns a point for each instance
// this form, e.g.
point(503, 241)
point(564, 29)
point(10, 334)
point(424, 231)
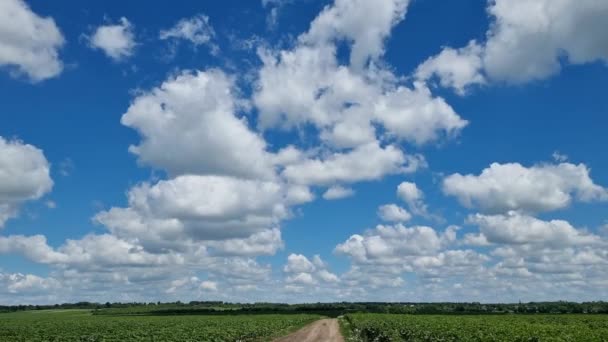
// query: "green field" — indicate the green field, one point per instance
point(81, 325)
point(387, 327)
point(124, 325)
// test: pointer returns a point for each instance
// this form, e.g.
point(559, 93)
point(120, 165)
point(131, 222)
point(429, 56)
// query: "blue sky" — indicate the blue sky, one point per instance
point(300, 150)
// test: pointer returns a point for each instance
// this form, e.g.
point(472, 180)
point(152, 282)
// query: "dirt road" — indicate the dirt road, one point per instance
point(324, 330)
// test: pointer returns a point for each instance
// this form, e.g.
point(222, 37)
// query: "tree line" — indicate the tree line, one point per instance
point(330, 309)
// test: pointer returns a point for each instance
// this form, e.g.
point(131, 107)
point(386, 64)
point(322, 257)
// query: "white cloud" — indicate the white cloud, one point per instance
point(90, 253)
point(528, 38)
point(190, 284)
point(361, 22)
point(199, 208)
point(206, 197)
point(24, 176)
point(321, 98)
point(275, 9)
point(413, 197)
point(302, 279)
point(559, 157)
point(327, 276)
point(415, 115)
point(367, 162)
point(200, 229)
point(504, 187)
point(196, 30)
point(563, 270)
point(457, 69)
point(98, 267)
point(393, 213)
point(345, 102)
point(29, 43)
point(382, 256)
point(34, 248)
point(301, 271)
point(266, 242)
point(527, 41)
point(180, 283)
point(338, 192)
point(527, 258)
point(515, 228)
point(342, 104)
point(18, 283)
point(117, 41)
point(389, 244)
point(201, 106)
point(298, 263)
point(99, 251)
point(299, 194)
point(208, 285)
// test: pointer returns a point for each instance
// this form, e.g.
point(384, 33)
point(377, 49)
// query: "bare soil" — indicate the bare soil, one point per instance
point(324, 330)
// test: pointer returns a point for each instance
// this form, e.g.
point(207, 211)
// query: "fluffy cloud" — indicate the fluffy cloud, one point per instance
point(196, 30)
point(181, 283)
point(29, 43)
point(18, 283)
point(414, 115)
point(524, 254)
point(200, 227)
point(367, 162)
point(344, 102)
point(389, 244)
point(98, 267)
point(90, 253)
point(338, 192)
point(413, 197)
point(528, 38)
point(24, 176)
point(202, 107)
point(455, 68)
point(393, 213)
point(299, 194)
point(208, 285)
point(191, 284)
point(211, 213)
point(117, 41)
point(266, 242)
point(298, 263)
point(515, 228)
point(560, 268)
point(34, 248)
point(504, 187)
point(321, 99)
point(199, 208)
point(527, 41)
point(365, 24)
point(344, 105)
point(301, 271)
point(382, 256)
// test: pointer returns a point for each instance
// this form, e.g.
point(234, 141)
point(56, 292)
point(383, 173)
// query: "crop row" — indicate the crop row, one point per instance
point(529, 328)
point(82, 326)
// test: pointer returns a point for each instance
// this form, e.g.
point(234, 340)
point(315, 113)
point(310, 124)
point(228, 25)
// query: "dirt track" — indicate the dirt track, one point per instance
point(324, 330)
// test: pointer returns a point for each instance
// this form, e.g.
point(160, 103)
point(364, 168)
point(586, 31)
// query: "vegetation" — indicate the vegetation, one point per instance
point(80, 325)
point(329, 309)
point(386, 327)
point(219, 321)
